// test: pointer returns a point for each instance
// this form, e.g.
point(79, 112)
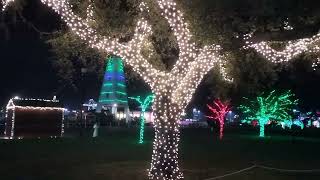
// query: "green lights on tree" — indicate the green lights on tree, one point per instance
point(299, 123)
point(144, 105)
point(269, 107)
point(286, 123)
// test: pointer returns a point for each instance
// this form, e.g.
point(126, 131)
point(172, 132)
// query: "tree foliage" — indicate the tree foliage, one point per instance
point(272, 106)
point(219, 112)
point(211, 21)
point(218, 21)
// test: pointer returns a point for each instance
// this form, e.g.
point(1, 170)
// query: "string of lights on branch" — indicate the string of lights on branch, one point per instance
point(291, 49)
point(5, 3)
point(218, 113)
point(315, 64)
point(90, 11)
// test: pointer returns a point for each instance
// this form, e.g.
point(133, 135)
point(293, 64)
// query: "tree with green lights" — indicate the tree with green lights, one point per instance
point(286, 123)
point(144, 104)
point(269, 107)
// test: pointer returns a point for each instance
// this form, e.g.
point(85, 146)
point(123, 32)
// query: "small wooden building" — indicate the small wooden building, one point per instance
point(34, 118)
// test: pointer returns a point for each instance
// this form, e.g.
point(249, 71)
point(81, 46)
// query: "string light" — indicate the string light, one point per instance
point(5, 3)
point(265, 108)
point(11, 106)
point(315, 64)
point(299, 123)
point(144, 104)
point(219, 113)
point(113, 89)
point(286, 123)
point(316, 124)
point(292, 48)
point(89, 12)
point(173, 90)
point(287, 26)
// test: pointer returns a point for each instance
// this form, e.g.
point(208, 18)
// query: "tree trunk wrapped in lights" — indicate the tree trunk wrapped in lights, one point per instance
point(219, 113)
point(165, 146)
point(173, 89)
point(271, 107)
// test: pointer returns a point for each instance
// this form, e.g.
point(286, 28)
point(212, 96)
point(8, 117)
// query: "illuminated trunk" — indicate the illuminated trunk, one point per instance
point(142, 123)
point(262, 122)
point(221, 124)
point(164, 163)
point(261, 130)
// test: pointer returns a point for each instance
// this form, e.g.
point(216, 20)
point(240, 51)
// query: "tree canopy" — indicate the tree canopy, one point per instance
point(211, 21)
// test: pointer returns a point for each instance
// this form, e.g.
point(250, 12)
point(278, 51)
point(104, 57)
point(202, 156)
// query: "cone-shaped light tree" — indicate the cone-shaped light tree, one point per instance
point(173, 89)
point(144, 104)
point(269, 107)
point(218, 113)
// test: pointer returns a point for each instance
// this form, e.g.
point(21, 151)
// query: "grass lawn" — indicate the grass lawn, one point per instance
point(116, 155)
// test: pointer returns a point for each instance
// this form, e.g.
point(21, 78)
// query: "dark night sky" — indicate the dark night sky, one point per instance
point(25, 68)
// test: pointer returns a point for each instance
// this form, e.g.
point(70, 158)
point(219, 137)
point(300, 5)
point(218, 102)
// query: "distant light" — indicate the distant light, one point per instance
point(115, 105)
point(16, 97)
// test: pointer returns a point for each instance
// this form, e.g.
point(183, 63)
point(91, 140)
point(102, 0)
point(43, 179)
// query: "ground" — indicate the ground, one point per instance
point(115, 155)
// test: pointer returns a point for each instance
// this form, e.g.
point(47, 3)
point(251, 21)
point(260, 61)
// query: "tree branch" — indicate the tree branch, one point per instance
point(130, 52)
point(205, 61)
point(291, 49)
point(187, 50)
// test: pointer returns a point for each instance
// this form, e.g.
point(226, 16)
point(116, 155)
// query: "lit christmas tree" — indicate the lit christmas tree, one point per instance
point(271, 107)
point(113, 93)
point(144, 104)
point(219, 112)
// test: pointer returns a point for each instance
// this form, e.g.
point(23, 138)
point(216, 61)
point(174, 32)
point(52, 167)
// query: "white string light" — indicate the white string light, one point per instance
point(287, 26)
point(89, 11)
point(11, 106)
point(315, 64)
point(173, 90)
point(291, 50)
point(5, 3)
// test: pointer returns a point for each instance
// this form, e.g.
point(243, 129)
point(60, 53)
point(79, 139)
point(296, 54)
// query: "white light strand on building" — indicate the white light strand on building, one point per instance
point(11, 106)
point(62, 123)
point(173, 90)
